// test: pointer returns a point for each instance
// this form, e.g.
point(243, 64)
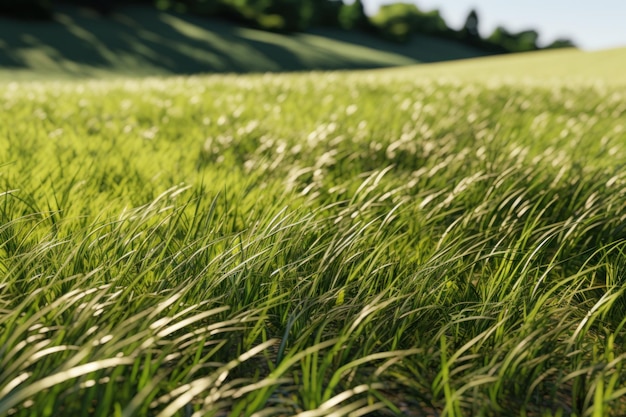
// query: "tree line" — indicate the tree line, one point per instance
point(396, 22)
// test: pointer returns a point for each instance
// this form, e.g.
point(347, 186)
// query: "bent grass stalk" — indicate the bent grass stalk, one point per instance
point(286, 245)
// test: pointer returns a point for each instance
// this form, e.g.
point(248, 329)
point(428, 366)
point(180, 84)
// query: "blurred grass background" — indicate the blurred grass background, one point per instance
point(140, 41)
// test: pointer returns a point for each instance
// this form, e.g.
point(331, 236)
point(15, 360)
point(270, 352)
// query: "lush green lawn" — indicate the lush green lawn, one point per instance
point(382, 243)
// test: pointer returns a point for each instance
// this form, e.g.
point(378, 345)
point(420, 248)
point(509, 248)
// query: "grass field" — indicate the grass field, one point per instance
point(565, 66)
point(402, 242)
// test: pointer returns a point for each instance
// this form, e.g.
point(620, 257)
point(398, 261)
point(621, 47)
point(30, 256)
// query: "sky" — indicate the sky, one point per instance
point(592, 25)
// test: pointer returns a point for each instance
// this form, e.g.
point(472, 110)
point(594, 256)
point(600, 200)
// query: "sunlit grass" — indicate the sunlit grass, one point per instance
point(549, 67)
point(320, 244)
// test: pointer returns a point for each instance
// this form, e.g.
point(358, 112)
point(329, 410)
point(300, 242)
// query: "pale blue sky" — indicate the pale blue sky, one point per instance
point(592, 25)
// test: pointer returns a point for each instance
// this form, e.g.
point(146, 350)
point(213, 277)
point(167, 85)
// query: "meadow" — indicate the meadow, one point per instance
point(403, 242)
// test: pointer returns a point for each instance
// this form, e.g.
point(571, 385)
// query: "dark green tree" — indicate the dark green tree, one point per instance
point(527, 40)
point(470, 28)
point(285, 14)
point(399, 20)
point(515, 42)
point(275, 15)
point(26, 9)
point(352, 16)
point(326, 13)
point(561, 43)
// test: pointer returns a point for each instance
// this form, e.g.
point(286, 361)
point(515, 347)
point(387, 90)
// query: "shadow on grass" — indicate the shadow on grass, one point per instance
point(144, 41)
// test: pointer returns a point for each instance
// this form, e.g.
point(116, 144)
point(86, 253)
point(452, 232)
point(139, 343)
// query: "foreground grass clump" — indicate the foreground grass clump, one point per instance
point(323, 244)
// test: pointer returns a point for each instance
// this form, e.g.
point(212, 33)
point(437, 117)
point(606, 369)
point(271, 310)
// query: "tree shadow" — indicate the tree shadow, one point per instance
point(422, 48)
point(143, 41)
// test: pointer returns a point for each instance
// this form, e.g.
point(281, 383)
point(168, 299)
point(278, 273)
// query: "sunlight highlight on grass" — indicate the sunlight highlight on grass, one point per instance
point(376, 243)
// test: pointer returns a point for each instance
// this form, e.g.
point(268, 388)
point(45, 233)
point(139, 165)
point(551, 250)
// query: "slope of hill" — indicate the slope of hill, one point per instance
point(143, 41)
point(560, 66)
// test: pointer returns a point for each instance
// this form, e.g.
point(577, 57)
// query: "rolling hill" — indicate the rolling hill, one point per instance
point(555, 66)
point(141, 41)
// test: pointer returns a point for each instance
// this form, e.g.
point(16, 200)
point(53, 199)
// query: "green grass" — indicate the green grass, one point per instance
point(368, 243)
point(571, 66)
point(139, 41)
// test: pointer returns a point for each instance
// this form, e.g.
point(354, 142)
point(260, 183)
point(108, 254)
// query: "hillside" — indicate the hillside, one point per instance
point(141, 41)
point(555, 66)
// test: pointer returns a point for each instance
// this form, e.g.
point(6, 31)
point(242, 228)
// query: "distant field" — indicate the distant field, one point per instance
point(564, 66)
point(411, 242)
point(141, 41)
